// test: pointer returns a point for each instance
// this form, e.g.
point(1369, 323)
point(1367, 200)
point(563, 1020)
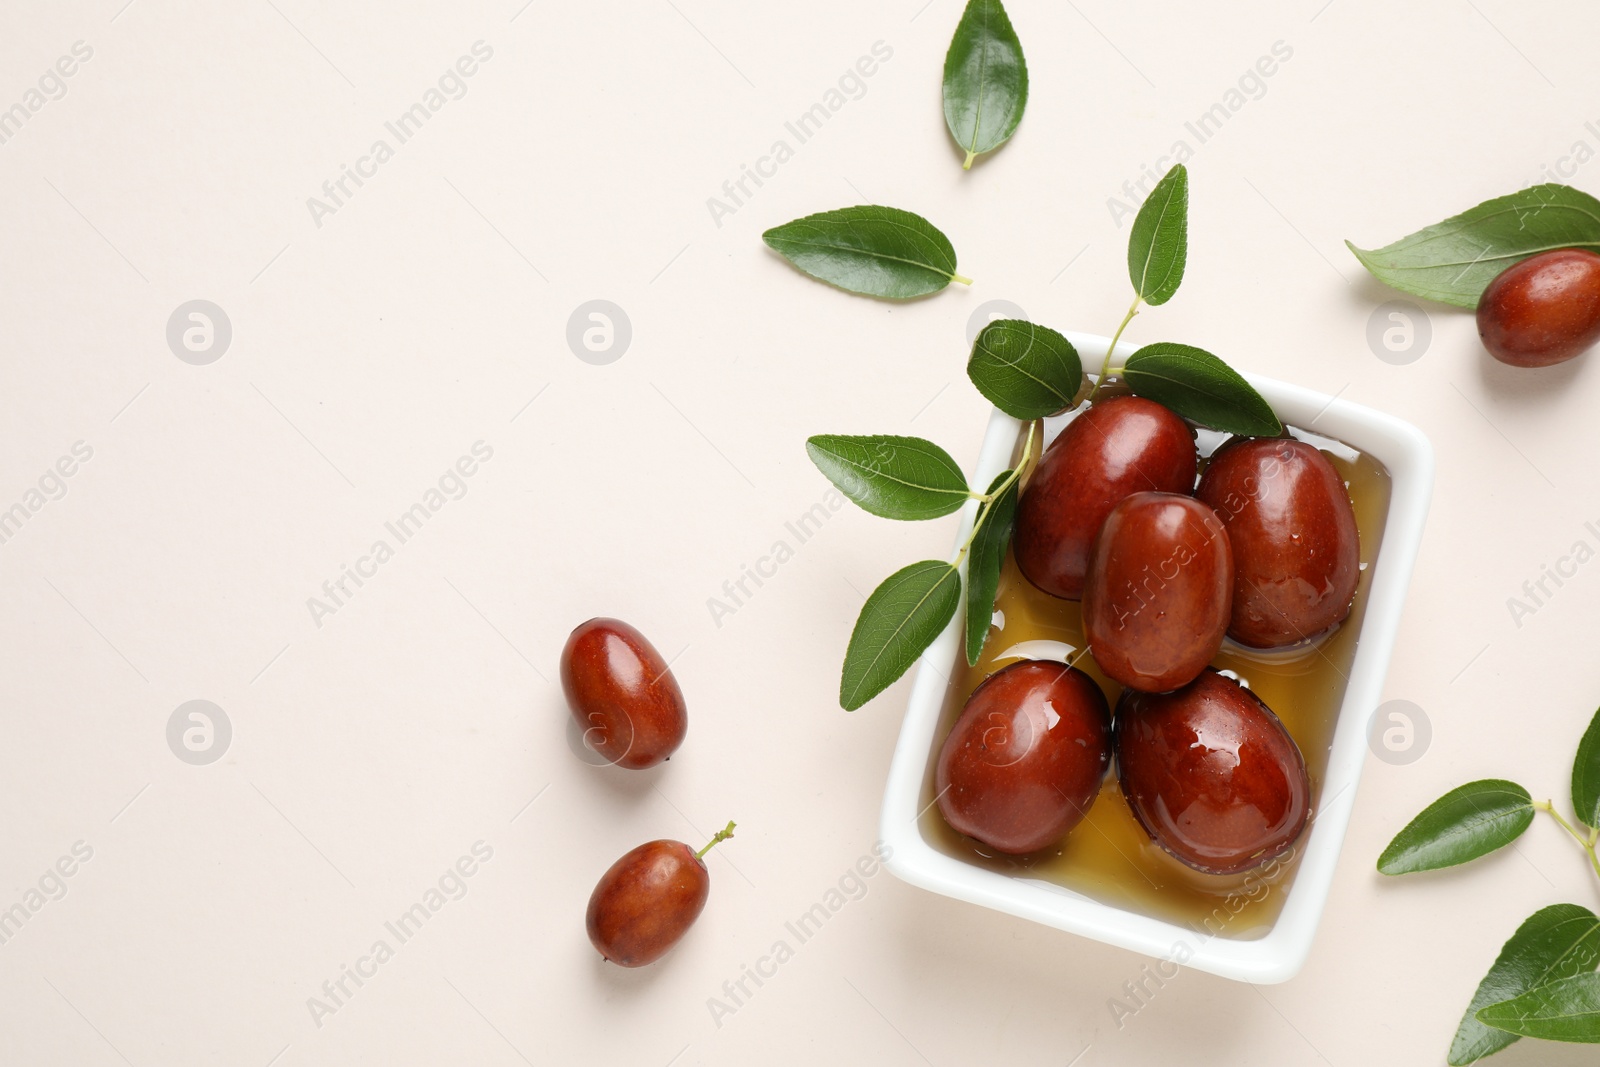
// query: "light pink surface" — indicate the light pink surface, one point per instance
point(369, 754)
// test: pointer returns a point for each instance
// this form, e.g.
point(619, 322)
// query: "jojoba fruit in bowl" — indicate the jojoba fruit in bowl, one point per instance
point(1296, 550)
point(622, 694)
point(1026, 756)
point(1211, 774)
point(1119, 446)
point(1159, 592)
point(1542, 310)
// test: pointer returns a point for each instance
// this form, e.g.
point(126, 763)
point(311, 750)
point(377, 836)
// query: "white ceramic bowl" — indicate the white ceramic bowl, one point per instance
point(1279, 954)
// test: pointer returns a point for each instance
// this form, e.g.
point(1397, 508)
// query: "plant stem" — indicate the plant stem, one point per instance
point(1029, 457)
point(722, 835)
point(1000, 491)
point(1585, 841)
point(1105, 365)
point(959, 278)
point(967, 164)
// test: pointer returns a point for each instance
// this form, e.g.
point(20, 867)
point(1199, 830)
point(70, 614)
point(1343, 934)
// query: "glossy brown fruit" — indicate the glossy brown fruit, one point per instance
point(1296, 550)
point(646, 902)
point(1026, 756)
point(1211, 774)
point(1159, 592)
point(1122, 445)
point(622, 694)
point(1542, 310)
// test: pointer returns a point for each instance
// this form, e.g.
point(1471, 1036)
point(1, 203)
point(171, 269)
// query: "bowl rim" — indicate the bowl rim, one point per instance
point(1277, 956)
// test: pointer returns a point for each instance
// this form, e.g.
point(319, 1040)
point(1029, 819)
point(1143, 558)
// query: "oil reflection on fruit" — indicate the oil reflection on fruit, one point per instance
point(1108, 856)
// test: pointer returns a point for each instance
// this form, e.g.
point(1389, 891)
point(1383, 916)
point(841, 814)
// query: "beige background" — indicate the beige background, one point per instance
point(430, 312)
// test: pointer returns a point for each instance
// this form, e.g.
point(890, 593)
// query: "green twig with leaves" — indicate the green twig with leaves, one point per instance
point(1544, 983)
point(1027, 371)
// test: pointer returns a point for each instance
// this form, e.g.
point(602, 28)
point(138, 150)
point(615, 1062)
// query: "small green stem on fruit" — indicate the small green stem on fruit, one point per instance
point(1105, 365)
point(961, 279)
point(1585, 841)
point(722, 835)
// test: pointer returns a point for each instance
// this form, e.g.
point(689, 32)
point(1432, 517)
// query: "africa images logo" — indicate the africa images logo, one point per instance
point(451, 85)
point(737, 191)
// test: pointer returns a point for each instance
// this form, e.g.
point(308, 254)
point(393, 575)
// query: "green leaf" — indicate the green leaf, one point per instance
point(1565, 1010)
point(1026, 371)
point(984, 558)
point(875, 251)
point(1199, 386)
point(897, 624)
point(1158, 247)
point(1455, 260)
point(985, 80)
point(1467, 822)
point(895, 477)
point(1553, 943)
point(1586, 775)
